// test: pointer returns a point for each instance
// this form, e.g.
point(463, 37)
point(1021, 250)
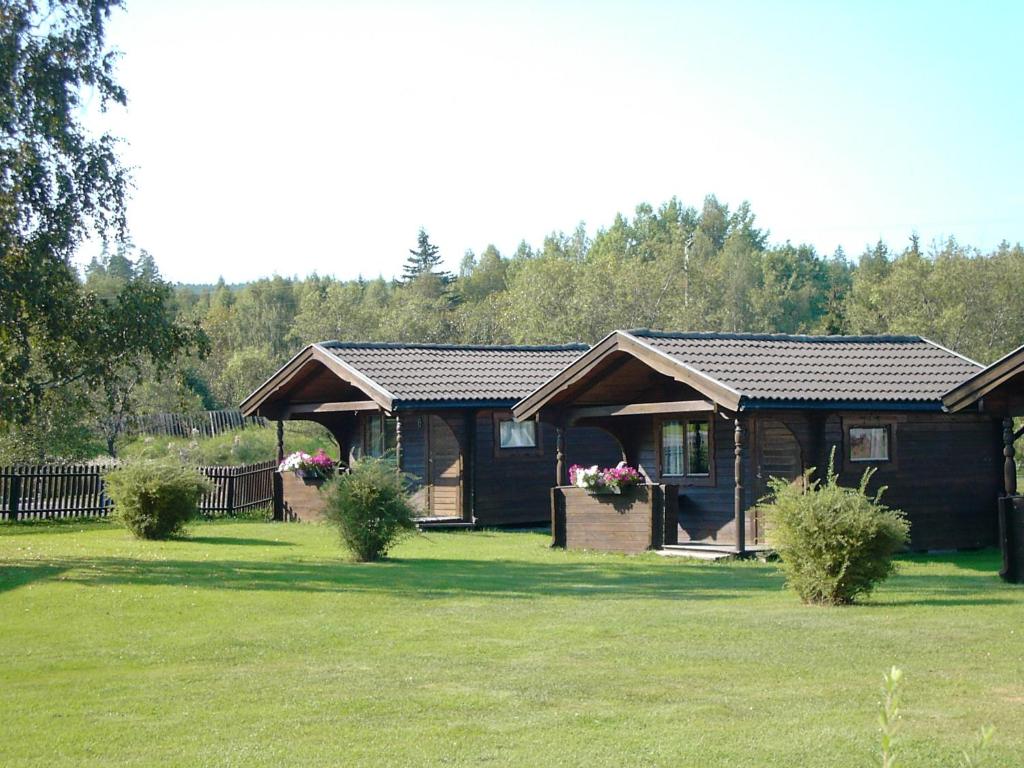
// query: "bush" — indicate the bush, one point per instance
point(155, 499)
point(370, 507)
point(835, 543)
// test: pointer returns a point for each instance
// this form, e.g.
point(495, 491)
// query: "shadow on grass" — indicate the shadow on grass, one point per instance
point(48, 527)
point(14, 576)
point(422, 578)
point(235, 541)
point(988, 560)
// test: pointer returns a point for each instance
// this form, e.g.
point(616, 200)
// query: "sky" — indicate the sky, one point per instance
point(300, 136)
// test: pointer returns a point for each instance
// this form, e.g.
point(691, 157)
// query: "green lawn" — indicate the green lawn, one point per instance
point(257, 644)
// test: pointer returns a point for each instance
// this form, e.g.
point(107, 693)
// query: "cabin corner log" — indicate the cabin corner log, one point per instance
point(1011, 538)
point(557, 517)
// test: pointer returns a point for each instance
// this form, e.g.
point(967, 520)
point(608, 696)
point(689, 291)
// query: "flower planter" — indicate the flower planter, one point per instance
point(639, 518)
point(302, 498)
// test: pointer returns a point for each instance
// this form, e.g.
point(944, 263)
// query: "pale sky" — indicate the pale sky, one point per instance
point(292, 137)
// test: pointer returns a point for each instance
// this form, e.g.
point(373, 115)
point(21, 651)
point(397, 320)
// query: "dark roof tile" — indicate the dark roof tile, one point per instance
point(818, 368)
point(448, 372)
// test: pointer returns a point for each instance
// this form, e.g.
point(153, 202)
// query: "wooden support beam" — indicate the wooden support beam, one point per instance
point(277, 490)
point(560, 475)
point(342, 407)
point(398, 443)
point(739, 513)
point(641, 409)
point(1009, 464)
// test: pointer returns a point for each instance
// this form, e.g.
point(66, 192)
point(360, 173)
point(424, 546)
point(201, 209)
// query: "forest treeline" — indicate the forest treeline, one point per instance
point(677, 267)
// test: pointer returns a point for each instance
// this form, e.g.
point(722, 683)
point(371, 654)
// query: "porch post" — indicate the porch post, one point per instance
point(739, 514)
point(398, 439)
point(560, 478)
point(277, 480)
point(1009, 464)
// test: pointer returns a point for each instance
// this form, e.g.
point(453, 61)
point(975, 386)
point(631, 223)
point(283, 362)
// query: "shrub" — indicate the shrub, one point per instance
point(370, 507)
point(835, 543)
point(154, 499)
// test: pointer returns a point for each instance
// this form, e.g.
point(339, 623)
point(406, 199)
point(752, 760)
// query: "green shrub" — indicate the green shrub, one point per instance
point(370, 507)
point(154, 499)
point(835, 543)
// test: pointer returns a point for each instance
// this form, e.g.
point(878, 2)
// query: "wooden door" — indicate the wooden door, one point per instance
point(778, 455)
point(444, 469)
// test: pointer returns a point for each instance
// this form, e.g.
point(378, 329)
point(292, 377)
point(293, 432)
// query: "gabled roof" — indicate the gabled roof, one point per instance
point(969, 392)
point(748, 370)
point(396, 375)
point(444, 372)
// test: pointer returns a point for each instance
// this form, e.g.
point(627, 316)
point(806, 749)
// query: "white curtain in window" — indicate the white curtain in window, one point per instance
point(869, 444)
point(672, 447)
point(518, 434)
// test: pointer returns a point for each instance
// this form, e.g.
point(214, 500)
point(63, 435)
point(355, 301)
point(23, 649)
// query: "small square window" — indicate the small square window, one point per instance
point(869, 444)
point(517, 434)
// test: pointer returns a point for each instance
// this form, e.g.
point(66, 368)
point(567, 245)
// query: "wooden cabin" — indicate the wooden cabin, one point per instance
point(444, 413)
point(718, 414)
point(998, 392)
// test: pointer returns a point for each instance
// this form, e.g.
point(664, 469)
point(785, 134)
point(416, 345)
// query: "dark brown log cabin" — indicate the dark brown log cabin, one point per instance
point(444, 412)
point(998, 391)
point(717, 414)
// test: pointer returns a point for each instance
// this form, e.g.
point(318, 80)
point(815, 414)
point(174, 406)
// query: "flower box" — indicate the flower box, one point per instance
point(610, 480)
point(636, 519)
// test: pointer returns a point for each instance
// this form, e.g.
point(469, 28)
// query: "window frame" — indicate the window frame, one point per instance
point(859, 465)
point(706, 480)
point(505, 453)
point(368, 422)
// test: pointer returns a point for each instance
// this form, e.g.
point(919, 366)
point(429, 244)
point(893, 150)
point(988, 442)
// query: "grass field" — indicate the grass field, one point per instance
point(257, 644)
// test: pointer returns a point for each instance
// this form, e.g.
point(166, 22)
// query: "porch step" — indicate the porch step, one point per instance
point(695, 552)
point(443, 523)
point(712, 551)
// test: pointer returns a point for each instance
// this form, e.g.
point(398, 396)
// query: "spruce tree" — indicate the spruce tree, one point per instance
point(424, 260)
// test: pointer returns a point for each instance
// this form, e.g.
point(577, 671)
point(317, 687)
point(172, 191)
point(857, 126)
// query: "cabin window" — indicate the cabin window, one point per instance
point(381, 437)
point(686, 448)
point(869, 443)
point(517, 434)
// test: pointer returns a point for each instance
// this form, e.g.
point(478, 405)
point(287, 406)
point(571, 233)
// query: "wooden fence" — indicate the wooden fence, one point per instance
point(57, 492)
point(206, 424)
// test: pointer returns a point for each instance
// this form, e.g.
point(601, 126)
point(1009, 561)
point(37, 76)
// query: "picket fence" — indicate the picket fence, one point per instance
point(69, 491)
point(205, 424)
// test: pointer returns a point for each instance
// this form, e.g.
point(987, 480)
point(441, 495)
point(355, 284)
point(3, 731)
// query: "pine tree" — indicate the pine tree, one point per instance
point(424, 260)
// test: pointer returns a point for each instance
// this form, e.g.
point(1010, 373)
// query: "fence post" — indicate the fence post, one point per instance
point(12, 506)
point(230, 504)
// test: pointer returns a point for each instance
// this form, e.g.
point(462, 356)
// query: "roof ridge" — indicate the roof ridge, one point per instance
point(571, 347)
point(752, 336)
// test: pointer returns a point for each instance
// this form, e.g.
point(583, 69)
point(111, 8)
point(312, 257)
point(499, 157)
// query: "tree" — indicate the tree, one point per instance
point(424, 260)
point(60, 184)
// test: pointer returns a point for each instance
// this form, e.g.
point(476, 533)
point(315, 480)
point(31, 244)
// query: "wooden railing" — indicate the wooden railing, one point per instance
point(70, 491)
